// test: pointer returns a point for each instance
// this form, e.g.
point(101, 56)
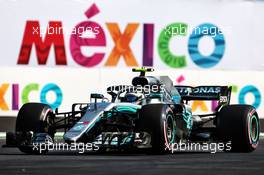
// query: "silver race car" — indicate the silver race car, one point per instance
point(150, 114)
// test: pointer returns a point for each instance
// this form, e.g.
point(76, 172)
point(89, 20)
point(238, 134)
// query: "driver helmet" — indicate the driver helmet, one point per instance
point(133, 97)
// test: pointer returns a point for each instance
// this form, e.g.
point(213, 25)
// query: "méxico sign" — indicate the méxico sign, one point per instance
point(169, 35)
point(89, 33)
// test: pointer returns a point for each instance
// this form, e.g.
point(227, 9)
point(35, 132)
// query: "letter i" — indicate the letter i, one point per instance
point(15, 95)
point(148, 44)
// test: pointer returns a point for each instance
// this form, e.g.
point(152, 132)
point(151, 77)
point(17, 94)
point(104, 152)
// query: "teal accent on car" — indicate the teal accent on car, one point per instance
point(155, 95)
point(187, 117)
point(176, 99)
point(126, 108)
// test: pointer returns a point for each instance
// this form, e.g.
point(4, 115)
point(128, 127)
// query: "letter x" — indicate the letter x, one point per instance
point(3, 104)
point(122, 44)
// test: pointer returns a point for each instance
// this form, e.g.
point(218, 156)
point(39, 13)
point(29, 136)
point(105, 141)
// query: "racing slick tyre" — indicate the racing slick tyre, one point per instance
point(159, 121)
point(240, 125)
point(36, 118)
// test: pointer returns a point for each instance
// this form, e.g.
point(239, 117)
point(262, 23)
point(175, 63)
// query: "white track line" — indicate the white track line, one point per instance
point(58, 134)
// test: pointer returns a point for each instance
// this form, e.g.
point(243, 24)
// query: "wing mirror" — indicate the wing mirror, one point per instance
point(96, 96)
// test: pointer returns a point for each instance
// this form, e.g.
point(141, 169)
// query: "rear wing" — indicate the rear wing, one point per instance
point(220, 93)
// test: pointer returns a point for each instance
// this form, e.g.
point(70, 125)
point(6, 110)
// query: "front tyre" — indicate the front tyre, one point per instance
point(35, 118)
point(240, 125)
point(159, 121)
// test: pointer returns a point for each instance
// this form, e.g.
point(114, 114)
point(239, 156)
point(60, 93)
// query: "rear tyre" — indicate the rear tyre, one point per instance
point(159, 121)
point(36, 118)
point(240, 125)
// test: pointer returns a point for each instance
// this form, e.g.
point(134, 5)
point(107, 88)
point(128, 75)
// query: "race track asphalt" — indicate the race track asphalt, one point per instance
point(12, 161)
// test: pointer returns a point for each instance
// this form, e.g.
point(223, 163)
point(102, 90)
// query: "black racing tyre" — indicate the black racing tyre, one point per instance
point(159, 121)
point(36, 118)
point(240, 125)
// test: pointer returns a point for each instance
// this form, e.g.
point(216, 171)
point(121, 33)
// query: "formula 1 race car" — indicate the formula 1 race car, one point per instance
point(151, 113)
